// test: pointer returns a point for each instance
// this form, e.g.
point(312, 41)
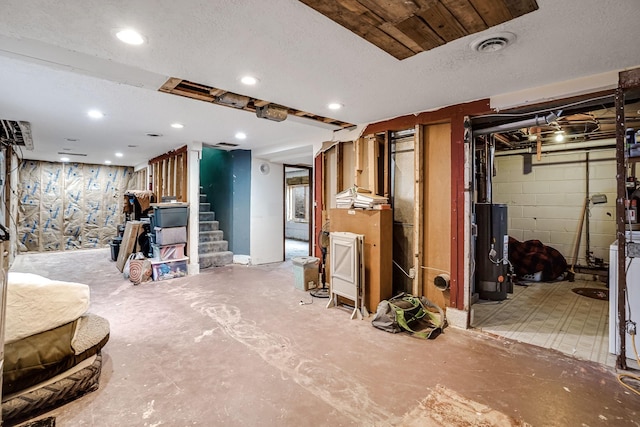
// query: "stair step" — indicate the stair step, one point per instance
point(203, 198)
point(211, 247)
point(210, 236)
point(209, 225)
point(215, 259)
point(207, 216)
point(205, 207)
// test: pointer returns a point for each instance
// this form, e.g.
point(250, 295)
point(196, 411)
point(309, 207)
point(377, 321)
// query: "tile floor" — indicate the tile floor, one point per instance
point(294, 248)
point(550, 315)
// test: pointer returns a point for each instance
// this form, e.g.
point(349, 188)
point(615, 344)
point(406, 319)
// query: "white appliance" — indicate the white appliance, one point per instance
point(632, 310)
point(346, 252)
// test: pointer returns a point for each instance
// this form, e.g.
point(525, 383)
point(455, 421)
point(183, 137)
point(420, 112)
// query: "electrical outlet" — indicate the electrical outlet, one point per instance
point(631, 327)
point(412, 273)
point(633, 249)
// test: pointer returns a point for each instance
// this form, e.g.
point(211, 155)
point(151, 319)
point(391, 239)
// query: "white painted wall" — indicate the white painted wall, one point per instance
point(267, 212)
point(547, 203)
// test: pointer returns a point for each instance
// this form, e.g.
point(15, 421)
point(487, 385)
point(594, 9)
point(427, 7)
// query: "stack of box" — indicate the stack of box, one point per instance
point(168, 240)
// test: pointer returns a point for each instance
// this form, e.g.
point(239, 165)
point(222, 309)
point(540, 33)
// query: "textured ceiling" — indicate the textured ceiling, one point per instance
point(58, 59)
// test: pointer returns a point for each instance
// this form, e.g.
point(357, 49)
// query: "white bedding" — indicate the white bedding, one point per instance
point(36, 304)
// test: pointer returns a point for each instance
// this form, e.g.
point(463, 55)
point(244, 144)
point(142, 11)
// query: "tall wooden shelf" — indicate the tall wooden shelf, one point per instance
point(377, 227)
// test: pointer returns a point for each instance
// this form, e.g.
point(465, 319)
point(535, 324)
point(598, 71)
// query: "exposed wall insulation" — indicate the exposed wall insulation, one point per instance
point(65, 206)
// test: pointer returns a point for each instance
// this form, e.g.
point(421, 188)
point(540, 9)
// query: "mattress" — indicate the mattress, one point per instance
point(52, 367)
point(36, 304)
point(72, 384)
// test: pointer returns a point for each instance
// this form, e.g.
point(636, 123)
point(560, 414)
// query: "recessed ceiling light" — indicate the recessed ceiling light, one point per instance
point(132, 145)
point(72, 139)
point(95, 114)
point(130, 36)
point(177, 125)
point(119, 154)
point(107, 162)
point(241, 135)
point(154, 134)
point(559, 136)
point(334, 106)
point(493, 43)
point(64, 159)
point(249, 80)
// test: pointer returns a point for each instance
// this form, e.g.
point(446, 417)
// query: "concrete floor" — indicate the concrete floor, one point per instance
point(234, 346)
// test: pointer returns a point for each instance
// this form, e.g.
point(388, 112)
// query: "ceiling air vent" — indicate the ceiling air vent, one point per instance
point(493, 43)
point(16, 133)
point(226, 144)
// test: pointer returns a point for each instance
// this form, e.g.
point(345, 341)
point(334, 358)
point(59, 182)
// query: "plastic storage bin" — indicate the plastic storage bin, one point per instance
point(305, 272)
point(164, 270)
point(168, 252)
point(164, 217)
point(170, 236)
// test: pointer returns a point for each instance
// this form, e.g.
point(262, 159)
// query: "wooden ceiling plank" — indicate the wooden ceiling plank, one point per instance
point(394, 32)
point(260, 103)
point(521, 7)
point(391, 10)
point(443, 23)
point(417, 30)
point(216, 92)
point(191, 94)
point(387, 43)
point(170, 84)
point(186, 84)
point(466, 15)
point(493, 12)
point(365, 25)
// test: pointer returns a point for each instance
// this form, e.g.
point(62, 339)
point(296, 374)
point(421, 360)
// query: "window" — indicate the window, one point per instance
point(298, 203)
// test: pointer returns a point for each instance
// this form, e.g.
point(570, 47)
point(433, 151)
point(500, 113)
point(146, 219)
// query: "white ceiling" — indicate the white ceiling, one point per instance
point(59, 59)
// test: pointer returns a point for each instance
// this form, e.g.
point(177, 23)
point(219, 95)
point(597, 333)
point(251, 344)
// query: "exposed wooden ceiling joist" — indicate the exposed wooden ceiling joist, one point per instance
point(211, 94)
point(405, 28)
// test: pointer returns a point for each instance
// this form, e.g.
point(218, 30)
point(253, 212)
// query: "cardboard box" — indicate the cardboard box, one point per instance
point(305, 272)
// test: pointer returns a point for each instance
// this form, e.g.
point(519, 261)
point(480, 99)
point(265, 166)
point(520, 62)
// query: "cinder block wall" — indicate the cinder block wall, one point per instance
point(547, 203)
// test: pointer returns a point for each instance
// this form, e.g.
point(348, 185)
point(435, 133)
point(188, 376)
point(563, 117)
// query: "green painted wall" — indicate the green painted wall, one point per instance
point(225, 177)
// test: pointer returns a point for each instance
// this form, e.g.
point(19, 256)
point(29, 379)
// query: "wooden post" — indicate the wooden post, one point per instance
point(418, 176)
point(621, 360)
point(339, 167)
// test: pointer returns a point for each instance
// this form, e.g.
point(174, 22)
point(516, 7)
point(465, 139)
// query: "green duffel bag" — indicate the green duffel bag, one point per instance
point(412, 314)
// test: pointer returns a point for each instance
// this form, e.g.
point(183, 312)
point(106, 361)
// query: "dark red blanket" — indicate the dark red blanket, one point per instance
point(531, 256)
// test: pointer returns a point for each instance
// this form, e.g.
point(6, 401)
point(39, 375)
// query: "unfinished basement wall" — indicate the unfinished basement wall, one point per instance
point(547, 203)
point(66, 206)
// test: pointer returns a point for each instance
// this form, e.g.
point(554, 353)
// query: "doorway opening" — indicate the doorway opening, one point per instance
point(297, 211)
point(544, 214)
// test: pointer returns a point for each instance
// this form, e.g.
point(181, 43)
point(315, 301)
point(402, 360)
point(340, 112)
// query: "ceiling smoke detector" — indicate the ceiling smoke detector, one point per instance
point(493, 43)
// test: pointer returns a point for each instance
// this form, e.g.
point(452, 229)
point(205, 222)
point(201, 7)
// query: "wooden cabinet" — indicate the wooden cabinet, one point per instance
point(376, 226)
